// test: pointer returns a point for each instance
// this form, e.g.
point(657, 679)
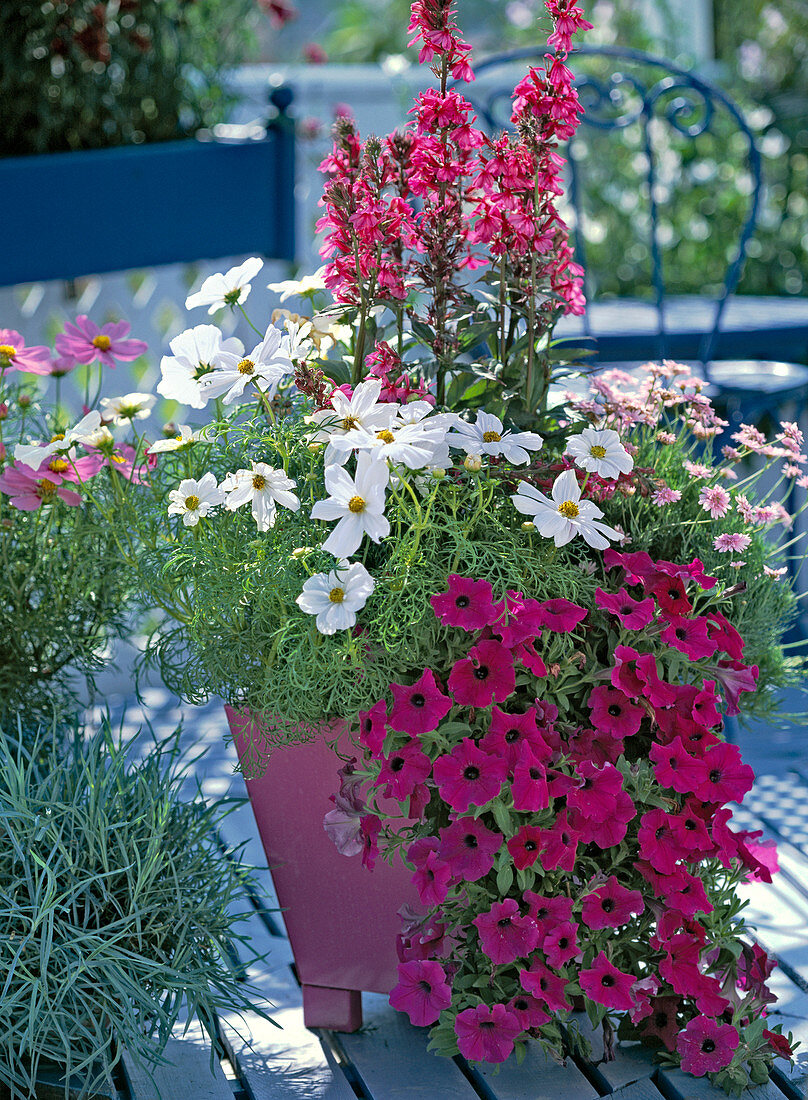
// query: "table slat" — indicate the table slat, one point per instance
point(677, 1085)
point(538, 1078)
point(633, 1061)
point(188, 1074)
point(638, 1090)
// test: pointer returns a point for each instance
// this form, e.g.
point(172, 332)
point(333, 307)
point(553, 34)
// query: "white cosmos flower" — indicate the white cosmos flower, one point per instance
point(132, 406)
point(221, 290)
point(326, 331)
point(289, 288)
point(487, 436)
point(193, 499)
point(336, 597)
point(358, 504)
point(566, 515)
point(263, 487)
point(298, 337)
point(34, 454)
point(265, 365)
point(413, 445)
point(362, 410)
point(600, 452)
point(186, 437)
point(195, 353)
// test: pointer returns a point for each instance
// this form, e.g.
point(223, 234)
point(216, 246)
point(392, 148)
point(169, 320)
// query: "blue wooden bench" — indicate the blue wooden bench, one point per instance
point(85, 213)
point(388, 1060)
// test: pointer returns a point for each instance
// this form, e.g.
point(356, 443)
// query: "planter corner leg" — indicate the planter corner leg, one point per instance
point(335, 1009)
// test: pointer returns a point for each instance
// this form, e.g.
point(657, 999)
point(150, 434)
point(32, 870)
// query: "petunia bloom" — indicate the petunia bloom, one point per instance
point(485, 676)
point(486, 1034)
point(419, 707)
point(469, 847)
point(706, 1046)
point(466, 603)
point(633, 614)
point(611, 905)
point(468, 776)
point(506, 935)
point(606, 985)
point(421, 991)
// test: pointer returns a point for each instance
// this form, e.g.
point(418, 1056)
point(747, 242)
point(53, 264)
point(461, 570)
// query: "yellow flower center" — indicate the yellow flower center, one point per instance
point(386, 436)
point(569, 509)
point(597, 451)
point(349, 422)
point(7, 351)
point(192, 503)
point(356, 504)
point(58, 465)
point(59, 435)
point(336, 595)
point(246, 366)
point(103, 343)
point(491, 437)
point(46, 489)
point(259, 481)
point(117, 458)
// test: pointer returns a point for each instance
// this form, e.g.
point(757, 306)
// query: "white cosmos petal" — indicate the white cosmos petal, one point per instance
point(566, 487)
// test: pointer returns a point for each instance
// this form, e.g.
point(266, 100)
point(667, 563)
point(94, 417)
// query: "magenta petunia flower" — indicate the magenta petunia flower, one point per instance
point(671, 595)
point(422, 936)
point(483, 677)
point(633, 614)
point(504, 934)
point(468, 604)
point(422, 991)
point(508, 733)
point(658, 842)
point(661, 1022)
point(561, 945)
point(727, 778)
point(690, 636)
point(419, 707)
point(431, 877)
point(486, 1034)
point(529, 785)
point(613, 712)
point(85, 342)
point(643, 990)
point(735, 677)
point(691, 834)
point(547, 987)
point(15, 355)
point(548, 912)
point(561, 616)
point(373, 728)
point(370, 828)
point(611, 905)
point(725, 635)
point(558, 844)
point(525, 846)
point(468, 776)
point(528, 1011)
point(403, 770)
point(29, 489)
point(607, 985)
point(596, 797)
point(706, 1046)
point(469, 847)
point(671, 765)
point(705, 706)
point(605, 833)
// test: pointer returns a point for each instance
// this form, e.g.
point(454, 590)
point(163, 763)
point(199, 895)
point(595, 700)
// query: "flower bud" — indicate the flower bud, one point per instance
point(25, 400)
point(314, 446)
point(437, 472)
point(473, 463)
point(3, 410)
point(528, 525)
point(302, 551)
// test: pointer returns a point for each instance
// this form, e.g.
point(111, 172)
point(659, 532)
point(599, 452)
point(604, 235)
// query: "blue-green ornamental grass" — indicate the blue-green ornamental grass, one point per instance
point(118, 911)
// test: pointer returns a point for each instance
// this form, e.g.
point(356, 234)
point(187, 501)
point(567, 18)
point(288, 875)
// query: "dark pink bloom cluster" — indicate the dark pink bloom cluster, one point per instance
point(573, 848)
point(397, 385)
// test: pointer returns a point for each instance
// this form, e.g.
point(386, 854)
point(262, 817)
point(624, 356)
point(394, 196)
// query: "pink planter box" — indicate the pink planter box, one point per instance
point(341, 918)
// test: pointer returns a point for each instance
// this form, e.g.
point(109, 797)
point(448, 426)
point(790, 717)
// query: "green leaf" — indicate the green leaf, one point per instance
point(505, 879)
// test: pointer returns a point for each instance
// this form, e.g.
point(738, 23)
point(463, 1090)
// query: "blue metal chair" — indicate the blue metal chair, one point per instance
point(734, 340)
point(86, 213)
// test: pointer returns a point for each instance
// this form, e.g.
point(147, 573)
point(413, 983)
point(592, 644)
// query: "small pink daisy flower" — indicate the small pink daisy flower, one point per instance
point(744, 508)
point(698, 470)
point(776, 573)
point(731, 542)
point(85, 342)
point(714, 500)
point(14, 354)
point(666, 495)
point(666, 438)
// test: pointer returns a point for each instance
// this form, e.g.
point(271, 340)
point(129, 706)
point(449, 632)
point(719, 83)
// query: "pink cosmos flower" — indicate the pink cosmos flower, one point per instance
point(561, 945)
point(689, 636)
point(29, 489)
point(85, 342)
point(419, 707)
point(468, 776)
point(706, 1046)
point(486, 675)
point(613, 712)
point(504, 934)
point(15, 355)
point(547, 987)
point(403, 770)
point(633, 614)
point(422, 991)
point(486, 1034)
point(731, 542)
point(469, 847)
point(468, 604)
point(508, 734)
point(607, 985)
point(373, 728)
point(715, 500)
point(611, 905)
point(529, 786)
